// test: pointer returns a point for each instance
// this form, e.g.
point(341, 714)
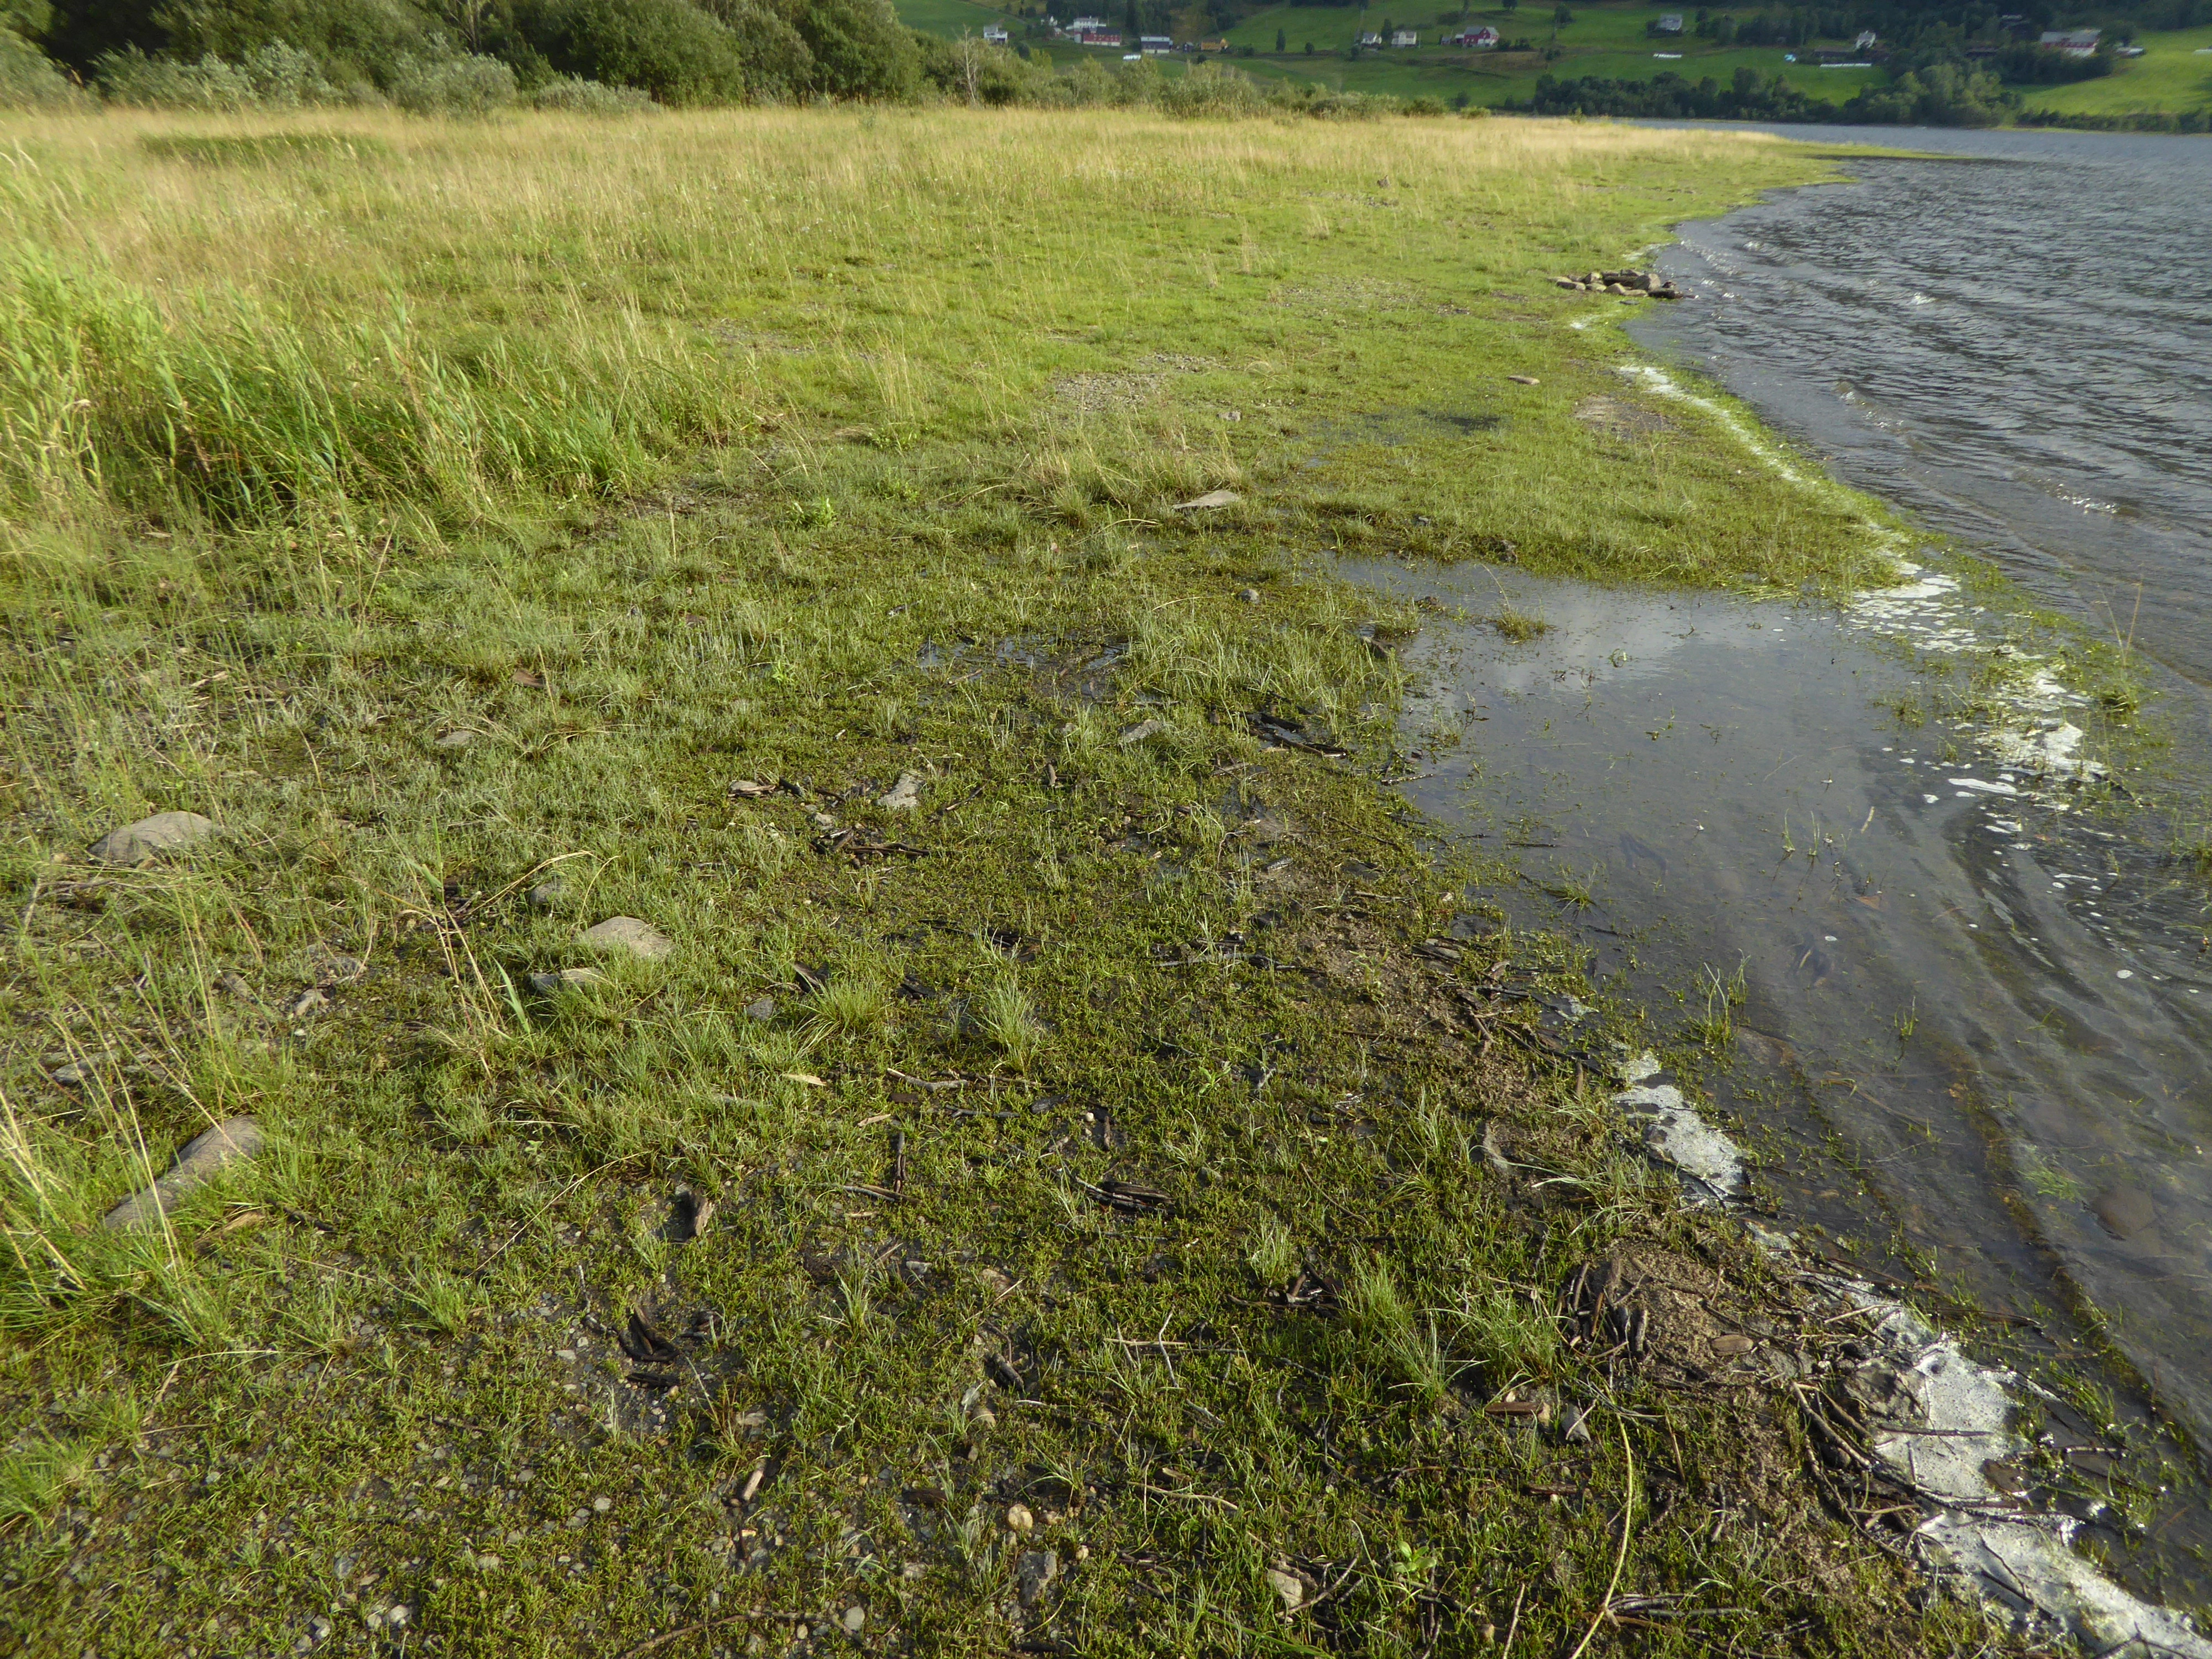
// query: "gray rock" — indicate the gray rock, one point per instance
point(567, 979)
point(547, 893)
point(1213, 498)
point(2125, 1211)
point(204, 1155)
point(629, 933)
point(904, 796)
point(460, 739)
point(1037, 1570)
point(763, 1009)
point(71, 1073)
point(1250, 596)
point(1289, 1586)
point(1144, 729)
point(150, 838)
point(855, 1619)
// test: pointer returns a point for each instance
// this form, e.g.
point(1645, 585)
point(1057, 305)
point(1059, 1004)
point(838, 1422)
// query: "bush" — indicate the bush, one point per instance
point(860, 48)
point(574, 96)
point(129, 76)
point(29, 79)
point(453, 86)
point(670, 48)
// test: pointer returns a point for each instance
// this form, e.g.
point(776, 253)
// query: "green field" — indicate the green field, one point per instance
point(781, 527)
point(2173, 74)
point(1605, 40)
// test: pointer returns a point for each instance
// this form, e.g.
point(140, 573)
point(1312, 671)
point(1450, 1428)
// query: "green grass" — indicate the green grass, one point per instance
point(2172, 76)
point(1088, 1137)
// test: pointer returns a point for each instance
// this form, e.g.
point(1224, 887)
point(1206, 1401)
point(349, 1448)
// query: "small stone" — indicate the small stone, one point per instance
point(307, 1002)
point(1576, 1424)
point(546, 894)
point(763, 1009)
point(1733, 1345)
point(639, 937)
point(203, 1157)
point(1289, 1586)
point(855, 1618)
point(904, 796)
point(71, 1074)
point(1018, 1518)
point(460, 739)
point(2125, 1211)
point(1037, 1570)
point(1213, 498)
point(1144, 729)
point(1250, 596)
point(602, 1505)
point(1523, 379)
point(150, 838)
point(567, 979)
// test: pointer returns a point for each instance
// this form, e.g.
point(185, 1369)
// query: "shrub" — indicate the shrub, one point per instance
point(129, 76)
point(860, 48)
point(29, 79)
point(668, 47)
point(284, 78)
point(453, 86)
point(573, 96)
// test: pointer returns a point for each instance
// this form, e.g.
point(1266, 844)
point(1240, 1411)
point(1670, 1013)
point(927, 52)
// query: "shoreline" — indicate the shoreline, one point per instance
point(1045, 1160)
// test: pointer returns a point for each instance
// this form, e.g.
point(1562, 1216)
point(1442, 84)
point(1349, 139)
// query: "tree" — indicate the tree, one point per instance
point(1512, 6)
point(1562, 17)
point(1282, 41)
point(1308, 48)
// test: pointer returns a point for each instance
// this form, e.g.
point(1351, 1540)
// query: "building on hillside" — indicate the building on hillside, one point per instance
point(1866, 39)
point(1404, 38)
point(1671, 23)
point(1483, 39)
point(1157, 45)
point(1101, 38)
point(2074, 43)
point(995, 34)
point(1371, 39)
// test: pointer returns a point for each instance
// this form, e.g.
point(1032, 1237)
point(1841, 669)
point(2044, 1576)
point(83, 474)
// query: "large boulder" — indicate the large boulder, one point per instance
point(153, 838)
point(204, 1156)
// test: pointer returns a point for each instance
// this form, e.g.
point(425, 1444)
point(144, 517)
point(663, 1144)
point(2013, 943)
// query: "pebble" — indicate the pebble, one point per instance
point(203, 1157)
point(1018, 1518)
point(460, 739)
point(546, 894)
point(1144, 729)
point(1250, 596)
point(1037, 1570)
point(763, 1009)
point(1289, 1586)
point(1211, 498)
point(150, 838)
point(855, 1618)
point(639, 937)
point(904, 796)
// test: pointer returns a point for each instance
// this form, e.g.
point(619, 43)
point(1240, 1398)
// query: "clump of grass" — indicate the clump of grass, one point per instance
point(1002, 1012)
point(1501, 1330)
point(1407, 1344)
point(850, 1004)
point(1273, 1254)
point(1519, 626)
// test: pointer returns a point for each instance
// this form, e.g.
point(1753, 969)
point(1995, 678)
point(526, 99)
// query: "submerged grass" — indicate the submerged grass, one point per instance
point(765, 526)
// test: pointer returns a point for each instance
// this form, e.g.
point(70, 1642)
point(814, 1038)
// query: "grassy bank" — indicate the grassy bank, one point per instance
point(2173, 76)
point(1047, 1192)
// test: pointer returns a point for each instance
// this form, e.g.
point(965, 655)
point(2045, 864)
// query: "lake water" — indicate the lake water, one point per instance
point(1975, 1033)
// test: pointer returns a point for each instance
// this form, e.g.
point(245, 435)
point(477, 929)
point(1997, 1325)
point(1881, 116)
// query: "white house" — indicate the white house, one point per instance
point(1404, 38)
point(1671, 23)
point(1371, 39)
point(995, 34)
point(1086, 25)
point(1155, 44)
point(1867, 38)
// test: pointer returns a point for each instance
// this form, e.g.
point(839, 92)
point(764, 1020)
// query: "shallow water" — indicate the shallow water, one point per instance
point(1973, 1024)
point(2016, 343)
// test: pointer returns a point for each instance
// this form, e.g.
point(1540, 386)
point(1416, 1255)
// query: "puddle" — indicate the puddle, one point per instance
point(1970, 1041)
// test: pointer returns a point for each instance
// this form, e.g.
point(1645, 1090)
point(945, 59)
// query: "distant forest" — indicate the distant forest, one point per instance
point(1951, 65)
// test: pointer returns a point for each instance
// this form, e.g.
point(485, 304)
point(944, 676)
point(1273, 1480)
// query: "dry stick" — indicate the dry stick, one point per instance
point(1621, 1558)
point(1513, 1625)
